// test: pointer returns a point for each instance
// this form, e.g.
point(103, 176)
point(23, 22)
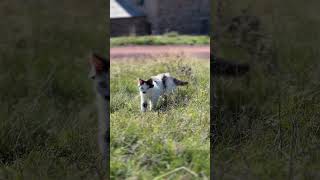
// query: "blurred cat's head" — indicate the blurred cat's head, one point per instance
point(100, 75)
point(144, 86)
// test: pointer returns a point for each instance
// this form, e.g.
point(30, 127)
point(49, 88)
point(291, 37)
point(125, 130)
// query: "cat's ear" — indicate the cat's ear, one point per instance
point(140, 81)
point(149, 82)
point(98, 65)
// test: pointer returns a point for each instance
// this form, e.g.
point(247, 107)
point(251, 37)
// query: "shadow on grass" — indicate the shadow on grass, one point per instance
point(180, 99)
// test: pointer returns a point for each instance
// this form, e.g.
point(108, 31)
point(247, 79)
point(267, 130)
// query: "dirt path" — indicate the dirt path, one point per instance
point(202, 52)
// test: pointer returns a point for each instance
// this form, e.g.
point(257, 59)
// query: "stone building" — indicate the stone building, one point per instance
point(127, 19)
point(159, 16)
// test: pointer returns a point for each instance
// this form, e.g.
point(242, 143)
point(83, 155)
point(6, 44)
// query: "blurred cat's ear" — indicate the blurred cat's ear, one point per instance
point(140, 81)
point(98, 64)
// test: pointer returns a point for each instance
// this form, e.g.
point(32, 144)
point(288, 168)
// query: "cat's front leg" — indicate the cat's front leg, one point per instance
point(144, 105)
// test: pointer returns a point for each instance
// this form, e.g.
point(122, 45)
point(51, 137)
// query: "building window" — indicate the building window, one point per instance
point(141, 2)
point(204, 28)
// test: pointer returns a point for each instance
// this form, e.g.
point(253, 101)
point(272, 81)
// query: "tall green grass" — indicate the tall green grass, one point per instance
point(48, 118)
point(167, 39)
point(151, 144)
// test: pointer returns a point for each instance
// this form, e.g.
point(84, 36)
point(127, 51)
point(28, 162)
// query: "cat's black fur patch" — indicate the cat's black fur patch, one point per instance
point(145, 105)
point(149, 82)
point(164, 78)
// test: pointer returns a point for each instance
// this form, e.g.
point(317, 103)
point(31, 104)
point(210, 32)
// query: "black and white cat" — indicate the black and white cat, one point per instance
point(156, 86)
point(100, 74)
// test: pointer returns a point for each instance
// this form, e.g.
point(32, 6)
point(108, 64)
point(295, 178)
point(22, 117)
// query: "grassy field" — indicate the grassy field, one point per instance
point(48, 122)
point(268, 121)
point(167, 39)
point(145, 146)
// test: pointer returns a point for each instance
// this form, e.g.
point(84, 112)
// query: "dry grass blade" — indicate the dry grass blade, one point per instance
point(175, 171)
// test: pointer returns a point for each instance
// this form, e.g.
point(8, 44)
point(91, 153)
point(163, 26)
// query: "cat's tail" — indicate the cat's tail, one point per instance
point(179, 82)
point(227, 68)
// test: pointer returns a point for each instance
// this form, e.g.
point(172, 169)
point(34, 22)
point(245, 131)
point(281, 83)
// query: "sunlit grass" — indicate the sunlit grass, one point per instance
point(147, 145)
point(160, 40)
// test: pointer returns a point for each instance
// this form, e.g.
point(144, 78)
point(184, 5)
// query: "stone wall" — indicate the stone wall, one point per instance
point(129, 26)
point(183, 16)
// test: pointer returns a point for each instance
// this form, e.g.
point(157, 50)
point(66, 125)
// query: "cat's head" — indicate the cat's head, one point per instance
point(100, 75)
point(144, 86)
